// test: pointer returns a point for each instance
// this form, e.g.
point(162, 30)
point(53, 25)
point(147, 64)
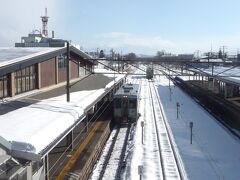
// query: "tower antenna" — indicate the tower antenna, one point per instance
point(44, 24)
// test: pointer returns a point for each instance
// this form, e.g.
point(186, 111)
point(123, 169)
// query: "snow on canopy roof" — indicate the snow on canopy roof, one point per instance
point(222, 73)
point(34, 128)
point(211, 60)
point(13, 54)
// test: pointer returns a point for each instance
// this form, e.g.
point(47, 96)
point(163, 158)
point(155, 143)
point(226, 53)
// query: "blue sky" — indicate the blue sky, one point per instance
point(141, 26)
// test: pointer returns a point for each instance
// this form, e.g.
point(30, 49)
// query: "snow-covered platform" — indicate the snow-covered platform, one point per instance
point(214, 153)
point(39, 121)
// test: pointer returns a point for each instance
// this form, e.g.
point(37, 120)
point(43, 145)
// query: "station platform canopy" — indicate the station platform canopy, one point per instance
point(35, 129)
point(229, 75)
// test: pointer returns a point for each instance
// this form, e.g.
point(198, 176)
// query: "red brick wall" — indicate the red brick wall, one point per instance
point(74, 69)
point(47, 73)
point(62, 72)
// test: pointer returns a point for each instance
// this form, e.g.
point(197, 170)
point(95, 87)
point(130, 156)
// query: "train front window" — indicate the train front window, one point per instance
point(132, 103)
point(124, 103)
point(117, 103)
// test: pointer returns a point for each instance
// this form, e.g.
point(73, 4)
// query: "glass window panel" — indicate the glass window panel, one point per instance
point(33, 70)
point(1, 88)
point(117, 103)
point(27, 71)
point(5, 88)
point(27, 83)
point(18, 74)
point(30, 83)
point(30, 69)
point(19, 81)
point(62, 62)
point(23, 72)
point(23, 84)
point(33, 82)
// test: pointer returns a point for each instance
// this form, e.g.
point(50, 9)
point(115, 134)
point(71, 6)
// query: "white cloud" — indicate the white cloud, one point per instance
point(151, 44)
point(138, 43)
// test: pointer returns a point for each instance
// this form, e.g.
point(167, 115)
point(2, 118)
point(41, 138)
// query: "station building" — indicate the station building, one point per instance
point(39, 131)
point(27, 69)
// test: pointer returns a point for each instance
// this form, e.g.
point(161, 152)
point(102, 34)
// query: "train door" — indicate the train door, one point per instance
point(132, 110)
point(124, 109)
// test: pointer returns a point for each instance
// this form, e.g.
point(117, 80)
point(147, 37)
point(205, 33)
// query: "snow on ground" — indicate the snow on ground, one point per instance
point(214, 153)
point(98, 167)
point(112, 167)
point(145, 154)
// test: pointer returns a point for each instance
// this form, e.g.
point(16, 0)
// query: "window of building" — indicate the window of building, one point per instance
point(82, 71)
point(3, 86)
point(25, 79)
point(62, 62)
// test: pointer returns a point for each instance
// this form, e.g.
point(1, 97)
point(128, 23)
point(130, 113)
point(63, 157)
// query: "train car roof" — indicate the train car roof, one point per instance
point(131, 90)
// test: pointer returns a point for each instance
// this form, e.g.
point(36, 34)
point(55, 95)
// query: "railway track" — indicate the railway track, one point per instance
point(171, 167)
point(113, 158)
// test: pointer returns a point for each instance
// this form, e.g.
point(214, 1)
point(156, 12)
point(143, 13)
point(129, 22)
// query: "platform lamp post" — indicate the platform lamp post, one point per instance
point(191, 134)
point(178, 105)
point(68, 76)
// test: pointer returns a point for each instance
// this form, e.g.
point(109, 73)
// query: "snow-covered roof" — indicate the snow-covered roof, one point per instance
point(13, 58)
point(211, 60)
point(13, 54)
point(32, 129)
point(130, 90)
point(226, 74)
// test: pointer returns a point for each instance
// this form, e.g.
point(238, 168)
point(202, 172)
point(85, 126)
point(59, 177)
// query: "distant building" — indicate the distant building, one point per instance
point(39, 40)
point(186, 56)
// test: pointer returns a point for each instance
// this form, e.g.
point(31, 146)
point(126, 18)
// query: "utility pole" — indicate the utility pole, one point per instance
point(142, 125)
point(191, 134)
point(68, 76)
point(178, 105)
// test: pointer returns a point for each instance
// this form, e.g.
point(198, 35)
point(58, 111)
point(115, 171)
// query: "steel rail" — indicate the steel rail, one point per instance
point(170, 140)
point(179, 165)
point(158, 137)
point(109, 153)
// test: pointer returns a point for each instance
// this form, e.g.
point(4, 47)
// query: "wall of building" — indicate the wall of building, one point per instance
point(44, 74)
point(74, 68)
point(62, 74)
point(48, 73)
